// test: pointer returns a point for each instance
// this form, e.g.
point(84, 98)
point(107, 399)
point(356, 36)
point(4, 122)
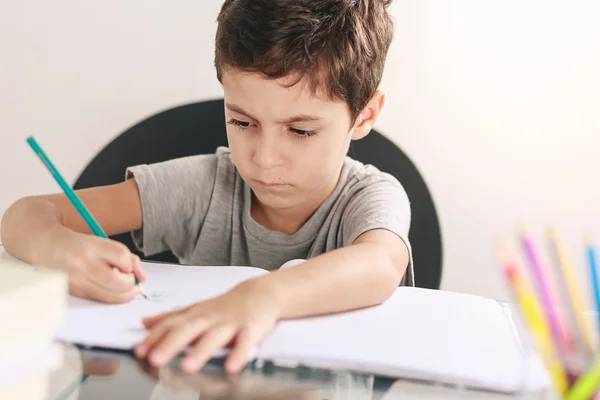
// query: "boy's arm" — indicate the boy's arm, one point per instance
point(48, 231)
point(117, 208)
point(361, 275)
point(31, 221)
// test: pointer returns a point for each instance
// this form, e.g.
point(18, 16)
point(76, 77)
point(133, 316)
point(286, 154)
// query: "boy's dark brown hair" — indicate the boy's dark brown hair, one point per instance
point(341, 45)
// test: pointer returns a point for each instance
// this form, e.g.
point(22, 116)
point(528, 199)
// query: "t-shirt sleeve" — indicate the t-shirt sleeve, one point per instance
point(380, 204)
point(175, 196)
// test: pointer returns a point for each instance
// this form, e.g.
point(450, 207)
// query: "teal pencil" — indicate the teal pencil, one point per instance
point(75, 200)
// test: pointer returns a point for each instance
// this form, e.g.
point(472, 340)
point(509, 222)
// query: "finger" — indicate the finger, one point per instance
point(88, 289)
point(117, 255)
point(145, 346)
point(138, 271)
point(212, 340)
point(245, 343)
point(176, 340)
point(150, 321)
point(108, 277)
point(104, 294)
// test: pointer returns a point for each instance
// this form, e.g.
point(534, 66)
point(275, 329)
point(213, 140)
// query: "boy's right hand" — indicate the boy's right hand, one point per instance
point(99, 269)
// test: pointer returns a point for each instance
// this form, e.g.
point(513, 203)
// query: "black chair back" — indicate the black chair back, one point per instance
point(199, 128)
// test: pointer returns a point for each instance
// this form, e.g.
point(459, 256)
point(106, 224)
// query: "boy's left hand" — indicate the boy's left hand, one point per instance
point(241, 317)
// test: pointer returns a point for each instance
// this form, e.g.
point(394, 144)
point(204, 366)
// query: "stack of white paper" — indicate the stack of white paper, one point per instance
point(33, 306)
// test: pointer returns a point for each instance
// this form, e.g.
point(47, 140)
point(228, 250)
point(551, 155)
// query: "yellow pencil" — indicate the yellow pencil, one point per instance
point(587, 385)
point(573, 291)
point(534, 317)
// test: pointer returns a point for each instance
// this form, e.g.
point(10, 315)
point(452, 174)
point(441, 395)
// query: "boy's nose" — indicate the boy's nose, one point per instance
point(266, 155)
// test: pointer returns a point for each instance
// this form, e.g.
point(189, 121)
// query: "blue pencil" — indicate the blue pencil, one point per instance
point(593, 263)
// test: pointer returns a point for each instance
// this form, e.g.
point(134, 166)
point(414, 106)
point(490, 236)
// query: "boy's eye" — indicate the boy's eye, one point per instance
point(241, 124)
point(297, 133)
point(301, 132)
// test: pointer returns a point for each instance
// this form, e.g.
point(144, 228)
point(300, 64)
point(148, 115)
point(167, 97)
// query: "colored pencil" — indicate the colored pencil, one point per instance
point(559, 331)
point(535, 319)
point(574, 300)
point(593, 264)
point(587, 385)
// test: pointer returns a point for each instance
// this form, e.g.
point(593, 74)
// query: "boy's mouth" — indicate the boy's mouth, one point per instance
point(270, 185)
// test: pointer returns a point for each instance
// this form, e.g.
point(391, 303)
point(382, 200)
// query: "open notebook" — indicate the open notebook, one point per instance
point(418, 333)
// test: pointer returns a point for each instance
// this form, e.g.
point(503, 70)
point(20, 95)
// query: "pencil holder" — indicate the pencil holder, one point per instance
point(581, 369)
point(550, 294)
point(536, 384)
point(584, 375)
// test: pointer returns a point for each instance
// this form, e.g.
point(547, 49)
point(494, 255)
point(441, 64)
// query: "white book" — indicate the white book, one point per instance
point(39, 360)
point(421, 334)
point(33, 305)
point(33, 387)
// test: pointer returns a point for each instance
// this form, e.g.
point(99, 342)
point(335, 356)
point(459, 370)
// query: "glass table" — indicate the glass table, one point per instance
point(94, 375)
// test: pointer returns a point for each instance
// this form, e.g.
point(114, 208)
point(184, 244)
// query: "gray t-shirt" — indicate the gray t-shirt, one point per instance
point(199, 208)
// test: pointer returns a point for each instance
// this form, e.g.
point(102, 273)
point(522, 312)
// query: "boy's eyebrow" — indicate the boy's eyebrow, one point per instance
point(297, 118)
point(238, 110)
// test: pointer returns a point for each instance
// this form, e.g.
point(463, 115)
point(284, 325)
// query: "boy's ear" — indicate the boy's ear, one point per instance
point(366, 119)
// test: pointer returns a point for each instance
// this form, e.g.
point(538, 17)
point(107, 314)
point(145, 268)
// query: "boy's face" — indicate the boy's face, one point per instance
point(287, 144)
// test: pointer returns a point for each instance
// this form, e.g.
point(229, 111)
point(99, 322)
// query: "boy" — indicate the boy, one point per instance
point(300, 82)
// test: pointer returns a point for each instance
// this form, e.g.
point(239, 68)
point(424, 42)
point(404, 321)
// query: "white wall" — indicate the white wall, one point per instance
point(496, 102)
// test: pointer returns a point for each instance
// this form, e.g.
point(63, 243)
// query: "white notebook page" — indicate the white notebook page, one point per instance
point(418, 333)
point(119, 326)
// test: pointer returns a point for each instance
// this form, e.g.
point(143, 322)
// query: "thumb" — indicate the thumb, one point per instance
point(138, 271)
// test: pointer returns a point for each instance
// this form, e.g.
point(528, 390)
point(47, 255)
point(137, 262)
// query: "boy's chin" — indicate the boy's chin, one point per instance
point(277, 201)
